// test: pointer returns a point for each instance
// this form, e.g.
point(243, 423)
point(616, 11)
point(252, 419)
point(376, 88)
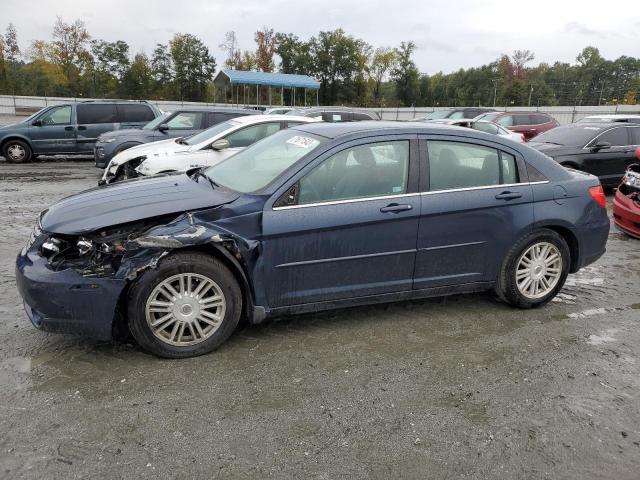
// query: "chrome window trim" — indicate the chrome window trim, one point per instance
point(615, 125)
point(384, 197)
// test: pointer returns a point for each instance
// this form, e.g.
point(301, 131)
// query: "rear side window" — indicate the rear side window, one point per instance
point(360, 116)
point(137, 113)
point(219, 117)
point(522, 119)
point(336, 117)
point(371, 170)
point(635, 135)
point(90, 113)
point(539, 119)
point(485, 127)
point(615, 136)
point(186, 121)
point(454, 165)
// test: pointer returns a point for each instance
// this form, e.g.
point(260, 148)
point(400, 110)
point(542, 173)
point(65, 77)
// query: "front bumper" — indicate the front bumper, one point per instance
point(626, 214)
point(65, 301)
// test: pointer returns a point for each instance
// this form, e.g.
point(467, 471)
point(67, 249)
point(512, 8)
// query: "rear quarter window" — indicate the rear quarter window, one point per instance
point(97, 113)
point(135, 113)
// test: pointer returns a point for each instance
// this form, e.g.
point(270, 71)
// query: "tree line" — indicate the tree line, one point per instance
point(350, 71)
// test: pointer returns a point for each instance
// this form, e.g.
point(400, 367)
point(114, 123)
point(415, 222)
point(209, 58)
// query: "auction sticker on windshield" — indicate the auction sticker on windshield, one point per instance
point(303, 142)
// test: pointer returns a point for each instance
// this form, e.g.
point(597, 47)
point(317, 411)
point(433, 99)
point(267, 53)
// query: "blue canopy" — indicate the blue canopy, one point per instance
point(286, 80)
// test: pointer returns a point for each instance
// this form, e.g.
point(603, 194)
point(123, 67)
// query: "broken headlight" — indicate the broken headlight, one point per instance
point(632, 179)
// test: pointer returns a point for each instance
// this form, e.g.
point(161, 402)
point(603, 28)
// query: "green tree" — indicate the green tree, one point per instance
point(383, 61)
point(137, 81)
point(162, 71)
point(193, 66)
point(405, 75)
point(69, 50)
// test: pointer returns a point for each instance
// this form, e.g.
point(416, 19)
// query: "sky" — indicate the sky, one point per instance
point(449, 35)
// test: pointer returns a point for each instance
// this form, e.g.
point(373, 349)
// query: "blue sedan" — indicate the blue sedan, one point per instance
point(315, 217)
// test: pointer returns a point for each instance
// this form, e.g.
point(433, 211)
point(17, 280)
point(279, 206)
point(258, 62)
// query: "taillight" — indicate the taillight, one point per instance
point(597, 193)
point(522, 139)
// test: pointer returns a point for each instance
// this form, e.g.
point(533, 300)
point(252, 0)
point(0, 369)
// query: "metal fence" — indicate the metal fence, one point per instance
point(18, 105)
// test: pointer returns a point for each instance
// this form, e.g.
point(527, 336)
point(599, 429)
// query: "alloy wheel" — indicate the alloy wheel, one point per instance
point(185, 309)
point(539, 270)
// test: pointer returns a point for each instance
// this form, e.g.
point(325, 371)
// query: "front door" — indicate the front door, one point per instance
point(610, 163)
point(54, 131)
point(351, 230)
point(474, 208)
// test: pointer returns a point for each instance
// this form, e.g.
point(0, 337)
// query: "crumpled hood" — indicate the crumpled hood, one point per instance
point(130, 201)
point(553, 150)
point(162, 148)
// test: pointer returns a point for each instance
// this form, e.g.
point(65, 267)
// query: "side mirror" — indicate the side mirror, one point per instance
point(163, 127)
point(37, 123)
point(220, 144)
point(601, 146)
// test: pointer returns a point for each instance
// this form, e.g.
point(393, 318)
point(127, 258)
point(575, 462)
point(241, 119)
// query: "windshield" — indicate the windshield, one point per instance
point(489, 117)
point(258, 165)
point(157, 121)
point(435, 115)
point(212, 132)
point(569, 135)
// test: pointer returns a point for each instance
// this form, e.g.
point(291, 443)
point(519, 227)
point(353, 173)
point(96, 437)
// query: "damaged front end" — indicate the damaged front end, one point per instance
point(626, 203)
point(75, 283)
point(123, 171)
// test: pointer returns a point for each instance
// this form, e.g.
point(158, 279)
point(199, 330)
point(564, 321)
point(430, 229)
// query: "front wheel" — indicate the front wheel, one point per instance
point(17, 151)
point(186, 307)
point(534, 270)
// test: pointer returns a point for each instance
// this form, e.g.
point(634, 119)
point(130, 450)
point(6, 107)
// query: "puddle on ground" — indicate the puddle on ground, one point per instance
point(606, 337)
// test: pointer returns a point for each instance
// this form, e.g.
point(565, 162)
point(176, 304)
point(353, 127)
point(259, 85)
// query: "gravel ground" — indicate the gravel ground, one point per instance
point(463, 387)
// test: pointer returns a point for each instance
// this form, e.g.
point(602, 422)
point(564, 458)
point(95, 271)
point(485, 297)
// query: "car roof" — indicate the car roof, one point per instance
point(337, 129)
point(271, 118)
point(614, 115)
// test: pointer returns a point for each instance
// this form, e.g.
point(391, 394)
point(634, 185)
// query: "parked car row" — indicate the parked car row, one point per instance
point(306, 215)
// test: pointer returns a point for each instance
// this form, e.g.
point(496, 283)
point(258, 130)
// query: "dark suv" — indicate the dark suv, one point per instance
point(528, 124)
point(177, 123)
point(70, 128)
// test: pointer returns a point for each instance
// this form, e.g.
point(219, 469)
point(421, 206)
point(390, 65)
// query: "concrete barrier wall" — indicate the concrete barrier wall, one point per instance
point(564, 114)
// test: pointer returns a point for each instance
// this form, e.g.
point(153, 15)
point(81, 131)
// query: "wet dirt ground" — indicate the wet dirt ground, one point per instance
point(463, 387)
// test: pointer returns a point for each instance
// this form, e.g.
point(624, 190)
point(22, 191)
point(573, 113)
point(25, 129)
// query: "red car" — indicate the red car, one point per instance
point(626, 203)
point(528, 124)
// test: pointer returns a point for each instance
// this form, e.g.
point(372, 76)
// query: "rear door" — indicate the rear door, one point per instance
point(352, 230)
point(94, 119)
point(476, 204)
point(55, 131)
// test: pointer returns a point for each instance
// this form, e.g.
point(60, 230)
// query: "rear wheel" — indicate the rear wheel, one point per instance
point(16, 151)
point(534, 270)
point(186, 307)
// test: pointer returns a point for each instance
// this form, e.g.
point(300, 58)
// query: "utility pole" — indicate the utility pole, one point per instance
point(530, 93)
point(601, 92)
point(495, 92)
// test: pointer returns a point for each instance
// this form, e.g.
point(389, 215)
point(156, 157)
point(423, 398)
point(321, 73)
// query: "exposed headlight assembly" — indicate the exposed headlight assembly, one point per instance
point(632, 179)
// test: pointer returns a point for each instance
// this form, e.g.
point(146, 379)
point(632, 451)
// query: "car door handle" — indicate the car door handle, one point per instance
point(81, 127)
point(396, 208)
point(68, 129)
point(508, 195)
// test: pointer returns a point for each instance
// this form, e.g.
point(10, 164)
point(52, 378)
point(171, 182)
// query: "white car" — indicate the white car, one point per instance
point(483, 126)
point(200, 150)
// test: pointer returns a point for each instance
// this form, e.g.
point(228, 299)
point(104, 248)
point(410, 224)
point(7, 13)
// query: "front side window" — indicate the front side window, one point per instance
point(371, 170)
point(616, 137)
point(250, 135)
point(506, 121)
point(57, 116)
point(454, 165)
point(186, 121)
point(256, 166)
point(211, 132)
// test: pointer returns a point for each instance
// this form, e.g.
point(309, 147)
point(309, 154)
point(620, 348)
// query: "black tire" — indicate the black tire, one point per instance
point(507, 288)
point(179, 263)
point(19, 144)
